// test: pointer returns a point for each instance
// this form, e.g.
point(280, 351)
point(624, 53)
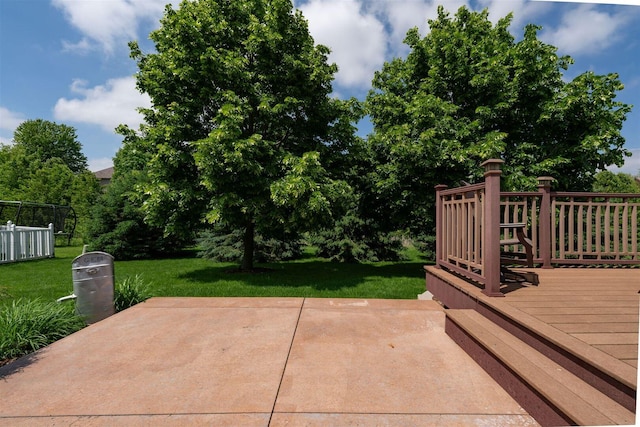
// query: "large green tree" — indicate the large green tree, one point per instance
point(15, 168)
point(468, 91)
point(609, 182)
point(46, 165)
point(117, 223)
point(243, 125)
point(46, 140)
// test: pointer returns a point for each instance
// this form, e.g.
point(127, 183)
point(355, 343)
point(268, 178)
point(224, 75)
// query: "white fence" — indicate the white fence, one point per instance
point(25, 243)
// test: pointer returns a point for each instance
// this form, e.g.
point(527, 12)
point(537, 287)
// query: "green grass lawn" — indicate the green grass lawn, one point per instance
point(191, 276)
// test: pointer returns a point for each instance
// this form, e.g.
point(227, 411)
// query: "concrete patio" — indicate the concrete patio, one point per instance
point(258, 362)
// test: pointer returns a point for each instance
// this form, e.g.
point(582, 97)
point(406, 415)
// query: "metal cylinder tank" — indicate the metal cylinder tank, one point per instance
point(93, 285)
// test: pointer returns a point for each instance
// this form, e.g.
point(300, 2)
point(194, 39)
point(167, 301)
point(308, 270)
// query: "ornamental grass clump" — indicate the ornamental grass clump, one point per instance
point(129, 292)
point(27, 325)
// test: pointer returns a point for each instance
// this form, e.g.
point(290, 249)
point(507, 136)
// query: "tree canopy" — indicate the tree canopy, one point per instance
point(46, 165)
point(117, 223)
point(243, 126)
point(609, 182)
point(47, 140)
point(468, 91)
point(244, 133)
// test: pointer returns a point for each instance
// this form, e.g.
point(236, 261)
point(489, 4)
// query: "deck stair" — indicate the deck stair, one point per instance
point(549, 392)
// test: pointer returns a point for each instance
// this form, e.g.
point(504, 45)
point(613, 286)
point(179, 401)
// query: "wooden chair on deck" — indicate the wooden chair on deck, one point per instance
point(520, 238)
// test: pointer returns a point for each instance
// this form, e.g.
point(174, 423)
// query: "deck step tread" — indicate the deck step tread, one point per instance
point(543, 326)
point(581, 402)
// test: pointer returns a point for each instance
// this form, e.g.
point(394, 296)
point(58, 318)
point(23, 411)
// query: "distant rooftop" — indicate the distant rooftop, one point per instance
point(104, 173)
point(104, 176)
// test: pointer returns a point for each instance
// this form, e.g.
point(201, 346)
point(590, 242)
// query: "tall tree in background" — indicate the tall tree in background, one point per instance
point(46, 140)
point(46, 165)
point(468, 92)
point(243, 126)
point(117, 223)
point(609, 182)
point(15, 169)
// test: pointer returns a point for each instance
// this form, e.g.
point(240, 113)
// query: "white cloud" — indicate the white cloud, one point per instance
point(357, 39)
point(585, 30)
point(631, 164)
point(10, 120)
point(524, 12)
point(81, 47)
point(616, 2)
point(107, 105)
point(106, 23)
point(100, 163)
point(400, 16)
point(404, 15)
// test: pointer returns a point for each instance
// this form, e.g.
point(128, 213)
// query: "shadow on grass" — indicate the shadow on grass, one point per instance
point(316, 274)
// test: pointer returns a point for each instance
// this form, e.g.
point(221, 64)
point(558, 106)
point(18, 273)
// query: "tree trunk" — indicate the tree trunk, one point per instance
point(249, 246)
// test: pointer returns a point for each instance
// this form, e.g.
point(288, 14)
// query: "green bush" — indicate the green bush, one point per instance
point(222, 245)
point(353, 240)
point(426, 245)
point(118, 225)
point(129, 292)
point(27, 325)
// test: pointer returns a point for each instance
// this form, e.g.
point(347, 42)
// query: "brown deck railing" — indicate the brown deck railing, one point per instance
point(463, 217)
point(582, 228)
point(563, 227)
point(462, 210)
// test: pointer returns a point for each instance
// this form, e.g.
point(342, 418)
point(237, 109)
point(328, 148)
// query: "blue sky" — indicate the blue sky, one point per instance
point(67, 60)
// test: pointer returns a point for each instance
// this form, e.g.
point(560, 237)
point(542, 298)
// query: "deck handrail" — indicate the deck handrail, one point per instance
point(563, 227)
point(578, 227)
point(458, 190)
point(468, 229)
point(461, 238)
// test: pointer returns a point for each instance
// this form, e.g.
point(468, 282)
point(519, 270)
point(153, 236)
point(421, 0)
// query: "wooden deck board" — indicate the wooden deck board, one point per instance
point(603, 293)
point(620, 351)
point(608, 338)
point(569, 298)
point(586, 318)
point(610, 366)
point(576, 328)
point(600, 307)
point(580, 311)
point(568, 302)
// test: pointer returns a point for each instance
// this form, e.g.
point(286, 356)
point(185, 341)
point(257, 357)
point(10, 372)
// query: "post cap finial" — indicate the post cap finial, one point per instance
point(545, 180)
point(492, 164)
point(493, 167)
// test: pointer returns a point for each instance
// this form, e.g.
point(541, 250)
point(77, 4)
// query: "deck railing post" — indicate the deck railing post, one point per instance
point(544, 187)
point(491, 227)
point(440, 234)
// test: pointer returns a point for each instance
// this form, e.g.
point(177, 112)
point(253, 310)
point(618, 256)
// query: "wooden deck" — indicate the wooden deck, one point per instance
point(599, 307)
point(583, 320)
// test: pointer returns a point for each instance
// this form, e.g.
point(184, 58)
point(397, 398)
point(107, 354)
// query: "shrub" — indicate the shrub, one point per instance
point(129, 292)
point(226, 246)
point(118, 224)
point(353, 239)
point(27, 325)
point(426, 245)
